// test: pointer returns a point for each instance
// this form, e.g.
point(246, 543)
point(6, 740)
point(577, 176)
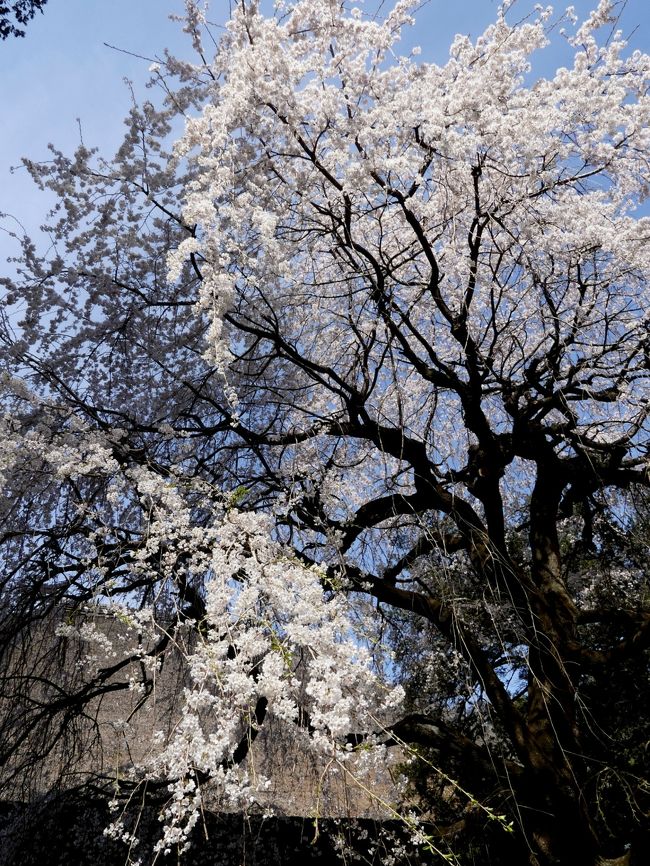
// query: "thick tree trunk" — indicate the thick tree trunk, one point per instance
point(561, 829)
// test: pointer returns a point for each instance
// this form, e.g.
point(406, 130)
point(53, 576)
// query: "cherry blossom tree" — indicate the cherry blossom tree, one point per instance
point(352, 383)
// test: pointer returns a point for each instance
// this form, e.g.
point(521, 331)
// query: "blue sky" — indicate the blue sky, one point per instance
point(62, 70)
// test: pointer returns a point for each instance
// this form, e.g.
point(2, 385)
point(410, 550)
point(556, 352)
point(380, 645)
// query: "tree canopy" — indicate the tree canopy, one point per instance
point(353, 383)
point(14, 16)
